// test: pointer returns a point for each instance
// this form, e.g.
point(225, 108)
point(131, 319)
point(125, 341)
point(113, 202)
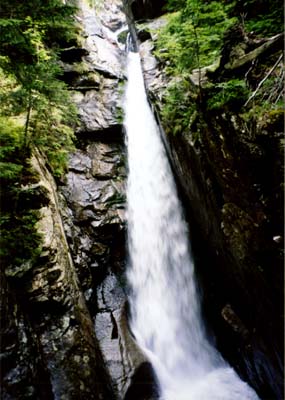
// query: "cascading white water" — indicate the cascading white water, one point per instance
point(165, 310)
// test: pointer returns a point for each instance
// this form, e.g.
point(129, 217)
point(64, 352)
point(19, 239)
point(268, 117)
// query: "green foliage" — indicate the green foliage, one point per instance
point(31, 35)
point(10, 133)
point(19, 240)
point(50, 114)
point(193, 36)
point(268, 115)
point(193, 39)
point(267, 26)
point(36, 110)
point(262, 17)
point(230, 95)
point(9, 170)
point(117, 199)
point(178, 107)
point(174, 5)
point(120, 115)
point(96, 4)
point(28, 27)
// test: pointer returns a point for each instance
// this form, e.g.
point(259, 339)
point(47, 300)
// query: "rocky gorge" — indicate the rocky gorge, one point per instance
point(64, 321)
point(68, 337)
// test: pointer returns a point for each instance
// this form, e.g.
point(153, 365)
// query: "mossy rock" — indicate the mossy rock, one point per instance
point(18, 272)
point(34, 196)
point(239, 229)
point(122, 37)
point(272, 121)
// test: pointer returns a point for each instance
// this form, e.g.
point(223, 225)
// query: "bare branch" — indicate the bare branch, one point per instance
point(263, 80)
point(240, 62)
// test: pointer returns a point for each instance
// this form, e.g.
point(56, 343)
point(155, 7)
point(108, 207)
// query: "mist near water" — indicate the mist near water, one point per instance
point(166, 317)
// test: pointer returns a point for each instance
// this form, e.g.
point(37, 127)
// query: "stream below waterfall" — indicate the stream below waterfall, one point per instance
point(166, 317)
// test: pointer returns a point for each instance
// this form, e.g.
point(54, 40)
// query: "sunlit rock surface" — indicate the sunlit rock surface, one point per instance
point(94, 192)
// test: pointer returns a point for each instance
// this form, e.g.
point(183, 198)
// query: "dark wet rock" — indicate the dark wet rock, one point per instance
point(72, 54)
point(96, 78)
point(149, 64)
point(230, 180)
point(145, 9)
point(96, 233)
point(18, 271)
point(144, 384)
point(234, 321)
point(94, 192)
point(104, 53)
point(33, 196)
point(104, 56)
point(122, 355)
point(95, 221)
point(80, 162)
point(106, 161)
point(53, 331)
point(237, 227)
point(64, 325)
point(143, 35)
point(111, 14)
point(22, 370)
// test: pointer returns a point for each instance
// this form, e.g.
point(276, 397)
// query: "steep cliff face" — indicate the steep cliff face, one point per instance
point(230, 174)
point(49, 322)
point(23, 371)
point(242, 278)
point(94, 192)
point(64, 330)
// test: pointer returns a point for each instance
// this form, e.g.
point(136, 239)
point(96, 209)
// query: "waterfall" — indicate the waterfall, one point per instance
point(165, 312)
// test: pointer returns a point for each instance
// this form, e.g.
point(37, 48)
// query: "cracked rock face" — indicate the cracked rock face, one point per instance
point(93, 196)
point(95, 221)
point(67, 335)
point(51, 330)
point(232, 186)
point(94, 189)
point(98, 77)
point(62, 321)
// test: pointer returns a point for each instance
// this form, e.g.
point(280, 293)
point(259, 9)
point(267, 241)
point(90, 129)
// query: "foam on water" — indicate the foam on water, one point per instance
point(166, 318)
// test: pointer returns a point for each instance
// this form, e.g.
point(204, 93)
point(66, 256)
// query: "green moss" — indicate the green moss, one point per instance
point(19, 241)
point(36, 111)
point(178, 107)
point(193, 37)
point(118, 199)
point(230, 95)
point(122, 37)
point(81, 67)
point(120, 115)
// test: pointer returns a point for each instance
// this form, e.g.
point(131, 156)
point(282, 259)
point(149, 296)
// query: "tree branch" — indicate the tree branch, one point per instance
point(263, 80)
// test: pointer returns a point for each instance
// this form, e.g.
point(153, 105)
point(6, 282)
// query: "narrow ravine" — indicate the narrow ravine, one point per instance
point(166, 318)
